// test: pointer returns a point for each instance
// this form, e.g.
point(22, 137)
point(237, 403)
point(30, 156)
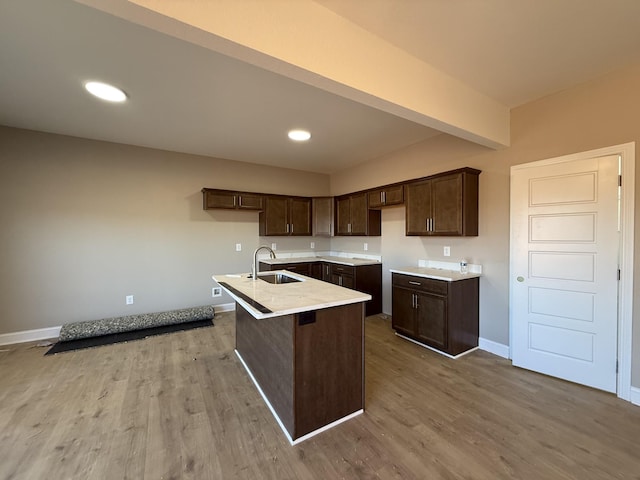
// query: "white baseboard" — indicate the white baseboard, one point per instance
point(224, 307)
point(635, 396)
point(54, 332)
point(493, 347)
point(29, 335)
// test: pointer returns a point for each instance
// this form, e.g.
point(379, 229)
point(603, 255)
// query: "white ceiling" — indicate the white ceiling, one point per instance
point(189, 99)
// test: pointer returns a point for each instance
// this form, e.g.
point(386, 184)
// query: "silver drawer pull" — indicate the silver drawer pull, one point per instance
point(414, 283)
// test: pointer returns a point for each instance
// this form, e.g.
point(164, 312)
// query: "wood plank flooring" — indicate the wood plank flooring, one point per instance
point(181, 406)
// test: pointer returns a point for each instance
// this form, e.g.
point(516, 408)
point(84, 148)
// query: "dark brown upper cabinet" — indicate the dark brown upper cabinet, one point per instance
point(386, 196)
point(444, 204)
point(353, 216)
point(322, 216)
point(284, 216)
point(228, 199)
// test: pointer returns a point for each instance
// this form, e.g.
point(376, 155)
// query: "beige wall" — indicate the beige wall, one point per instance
point(598, 114)
point(85, 223)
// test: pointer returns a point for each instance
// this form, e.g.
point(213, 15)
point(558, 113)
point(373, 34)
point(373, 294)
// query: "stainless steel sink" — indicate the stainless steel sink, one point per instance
point(277, 278)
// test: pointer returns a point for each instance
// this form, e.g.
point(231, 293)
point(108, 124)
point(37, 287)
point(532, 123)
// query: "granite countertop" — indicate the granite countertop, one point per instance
point(284, 299)
point(354, 262)
point(435, 273)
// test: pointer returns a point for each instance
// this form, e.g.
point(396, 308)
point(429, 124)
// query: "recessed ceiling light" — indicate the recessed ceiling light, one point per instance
point(105, 91)
point(299, 135)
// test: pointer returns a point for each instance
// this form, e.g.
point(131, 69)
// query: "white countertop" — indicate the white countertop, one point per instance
point(354, 262)
point(435, 273)
point(284, 299)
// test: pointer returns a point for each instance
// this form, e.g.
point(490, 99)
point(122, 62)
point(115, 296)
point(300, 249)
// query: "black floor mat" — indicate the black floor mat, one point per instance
point(125, 336)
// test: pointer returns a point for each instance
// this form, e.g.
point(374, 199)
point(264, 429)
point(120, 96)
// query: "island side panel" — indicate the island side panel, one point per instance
point(329, 375)
point(267, 348)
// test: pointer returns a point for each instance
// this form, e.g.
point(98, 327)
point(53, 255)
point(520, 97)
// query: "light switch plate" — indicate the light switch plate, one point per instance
point(447, 251)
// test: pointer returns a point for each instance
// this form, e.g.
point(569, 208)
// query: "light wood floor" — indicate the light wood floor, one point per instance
point(181, 406)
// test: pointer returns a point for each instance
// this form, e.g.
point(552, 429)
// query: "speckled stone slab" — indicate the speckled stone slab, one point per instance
point(106, 326)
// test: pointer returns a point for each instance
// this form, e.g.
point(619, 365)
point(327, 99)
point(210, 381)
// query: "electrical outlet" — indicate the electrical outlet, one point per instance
point(273, 247)
point(366, 247)
point(238, 247)
point(129, 299)
point(216, 292)
point(313, 245)
point(447, 251)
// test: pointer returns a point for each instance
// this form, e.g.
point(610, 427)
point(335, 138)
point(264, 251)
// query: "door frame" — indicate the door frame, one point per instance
point(625, 291)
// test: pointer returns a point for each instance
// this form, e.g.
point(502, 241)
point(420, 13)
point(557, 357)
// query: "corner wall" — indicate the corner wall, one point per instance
point(596, 114)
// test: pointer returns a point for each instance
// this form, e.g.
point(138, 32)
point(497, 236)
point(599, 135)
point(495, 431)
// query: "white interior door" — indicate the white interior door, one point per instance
point(564, 269)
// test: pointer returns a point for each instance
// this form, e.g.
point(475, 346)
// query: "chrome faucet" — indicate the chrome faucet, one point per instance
point(254, 273)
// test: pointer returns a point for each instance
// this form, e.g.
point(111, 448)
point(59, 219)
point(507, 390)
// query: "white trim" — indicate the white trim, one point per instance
point(282, 427)
point(454, 357)
point(224, 307)
point(627, 152)
point(327, 427)
point(29, 335)
point(635, 396)
point(625, 298)
point(496, 348)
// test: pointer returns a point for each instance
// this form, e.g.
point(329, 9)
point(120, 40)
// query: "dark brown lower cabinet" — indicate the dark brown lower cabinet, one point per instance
point(364, 278)
point(309, 364)
point(441, 314)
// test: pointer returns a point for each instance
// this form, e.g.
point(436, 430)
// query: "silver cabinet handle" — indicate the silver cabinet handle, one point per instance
point(411, 282)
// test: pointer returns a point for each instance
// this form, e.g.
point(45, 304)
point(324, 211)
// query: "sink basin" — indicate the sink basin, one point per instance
point(277, 278)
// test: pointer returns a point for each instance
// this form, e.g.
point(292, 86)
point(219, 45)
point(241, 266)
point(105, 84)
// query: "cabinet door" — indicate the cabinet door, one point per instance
point(343, 216)
point(431, 320)
point(274, 218)
point(403, 312)
point(359, 214)
point(343, 280)
point(383, 197)
point(322, 216)
point(315, 270)
point(250, 201)
point(394, 195)
point(447, 205)
point(418, 211)
point(326, 272)
point(300, 216)
point(375, 199)
point(219, 199)
point(347, 281)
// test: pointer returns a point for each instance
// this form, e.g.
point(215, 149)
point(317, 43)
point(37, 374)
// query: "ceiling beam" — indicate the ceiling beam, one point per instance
point(305, 41)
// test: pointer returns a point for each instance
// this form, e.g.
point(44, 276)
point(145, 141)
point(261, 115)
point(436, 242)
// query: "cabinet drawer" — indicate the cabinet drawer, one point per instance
point(337, 269)
point(430, 285)
point(301, 268)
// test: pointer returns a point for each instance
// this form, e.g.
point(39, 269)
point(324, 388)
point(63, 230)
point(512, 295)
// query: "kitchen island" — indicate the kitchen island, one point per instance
point(302, 344)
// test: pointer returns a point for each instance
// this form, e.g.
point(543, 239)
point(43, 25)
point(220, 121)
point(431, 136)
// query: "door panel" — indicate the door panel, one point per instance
point(432, 320)
point(447, 205)
point(403, 313)
point(564, 261)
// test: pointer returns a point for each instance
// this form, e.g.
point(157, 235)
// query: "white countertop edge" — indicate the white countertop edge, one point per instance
point(260, 316)
point(435, 274)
